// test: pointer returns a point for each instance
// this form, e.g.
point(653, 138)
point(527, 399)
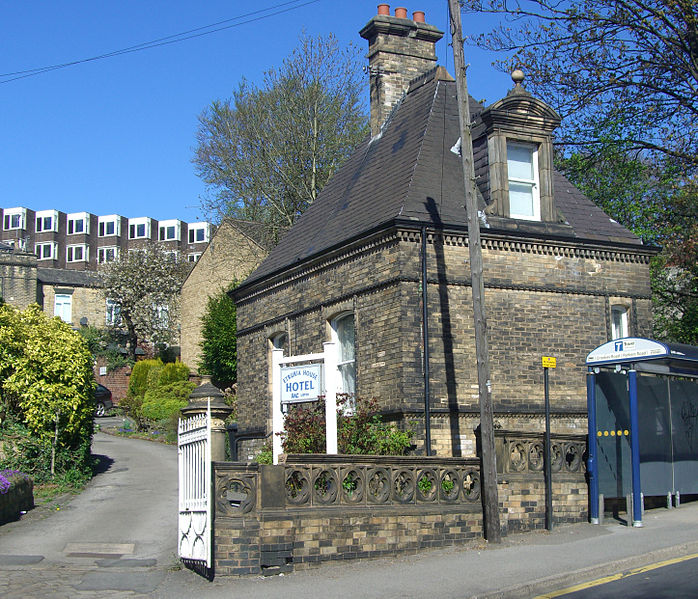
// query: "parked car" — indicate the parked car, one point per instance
point(103, 402)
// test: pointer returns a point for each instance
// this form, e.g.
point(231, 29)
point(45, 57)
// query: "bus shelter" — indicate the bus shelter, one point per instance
point(642, 400)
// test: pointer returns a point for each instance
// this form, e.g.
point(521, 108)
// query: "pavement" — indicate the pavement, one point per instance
point(523, 565)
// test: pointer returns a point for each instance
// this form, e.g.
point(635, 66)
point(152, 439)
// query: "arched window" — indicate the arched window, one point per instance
point(279, 341)
point(619, 321)
point(343, 335)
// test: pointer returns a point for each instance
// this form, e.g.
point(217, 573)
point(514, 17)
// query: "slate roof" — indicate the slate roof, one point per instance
point(72, 278)
point(409, 173)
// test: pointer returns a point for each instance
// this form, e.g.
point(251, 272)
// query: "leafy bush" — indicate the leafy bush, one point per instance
point(138, 383)
point(359, 432)
point(173, 372)
point(24, 451)
point(163, 401)
point(132, 405)
point(46, 393)
point(219, 345)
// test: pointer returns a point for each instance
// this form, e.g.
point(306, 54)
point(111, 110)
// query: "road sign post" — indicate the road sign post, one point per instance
point(548, 363)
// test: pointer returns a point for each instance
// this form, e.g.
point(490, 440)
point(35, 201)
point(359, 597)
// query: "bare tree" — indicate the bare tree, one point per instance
point(266, 153)
point(626, 66)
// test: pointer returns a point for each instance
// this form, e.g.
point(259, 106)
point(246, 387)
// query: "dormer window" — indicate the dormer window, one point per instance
point(524, 189)
point(515, 138)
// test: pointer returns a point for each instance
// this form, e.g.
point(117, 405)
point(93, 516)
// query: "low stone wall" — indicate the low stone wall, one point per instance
point(314, 508)
point(521, 482)
point(18, 498)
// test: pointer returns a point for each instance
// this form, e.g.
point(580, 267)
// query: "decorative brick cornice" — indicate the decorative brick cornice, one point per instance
point(393, 235)
point(361, 247)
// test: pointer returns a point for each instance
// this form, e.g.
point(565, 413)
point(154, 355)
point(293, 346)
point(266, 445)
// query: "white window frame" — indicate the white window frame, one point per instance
point(102, 253)
point(113, 313)
point(345, 363)
point(135, 223)
point(194, 256)
point(161, 316)
point(20, 213)
point(63, 307)
point(194, 228)
point(40, 221)
point(104, 221)
point(619, 321)
point(53, 254)
point(534, 182)
point(165, 225)
point(78, 217)
point(71, 252)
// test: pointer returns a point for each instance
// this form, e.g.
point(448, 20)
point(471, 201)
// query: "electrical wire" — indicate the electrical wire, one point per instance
point(244, 19)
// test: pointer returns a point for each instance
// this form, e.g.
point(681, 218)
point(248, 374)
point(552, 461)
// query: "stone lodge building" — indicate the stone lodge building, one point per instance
point(560, 276)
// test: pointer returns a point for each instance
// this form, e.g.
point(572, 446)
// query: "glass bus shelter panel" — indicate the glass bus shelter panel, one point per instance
point(613, 450)
point(684, 413)
point(654, 417)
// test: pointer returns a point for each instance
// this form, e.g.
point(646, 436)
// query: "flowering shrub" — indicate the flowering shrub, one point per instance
point(360, 431)
point(6, 477)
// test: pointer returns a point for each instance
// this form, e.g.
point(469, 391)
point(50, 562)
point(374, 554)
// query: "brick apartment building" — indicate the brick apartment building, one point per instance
point(560, 276)
point(82, 241)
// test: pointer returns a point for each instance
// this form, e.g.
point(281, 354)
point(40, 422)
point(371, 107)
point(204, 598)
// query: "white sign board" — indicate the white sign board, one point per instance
point(623, 350)
point(301, 383)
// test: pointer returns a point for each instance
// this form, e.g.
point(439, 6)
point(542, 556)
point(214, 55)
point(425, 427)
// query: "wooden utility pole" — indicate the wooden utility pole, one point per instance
point(488, 469)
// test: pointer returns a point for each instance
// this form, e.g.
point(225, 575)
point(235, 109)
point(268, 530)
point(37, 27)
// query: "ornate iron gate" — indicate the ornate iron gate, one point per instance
point(194, 442)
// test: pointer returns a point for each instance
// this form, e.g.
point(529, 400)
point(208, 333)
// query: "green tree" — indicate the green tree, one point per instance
point(219, 345)
point(266, 153)
point(145, 285)
point(46, 385)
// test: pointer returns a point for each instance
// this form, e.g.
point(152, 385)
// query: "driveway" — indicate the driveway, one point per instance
point(117, 538)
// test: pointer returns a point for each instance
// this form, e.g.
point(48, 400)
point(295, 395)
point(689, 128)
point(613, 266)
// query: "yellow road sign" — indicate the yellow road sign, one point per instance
point(549, 362)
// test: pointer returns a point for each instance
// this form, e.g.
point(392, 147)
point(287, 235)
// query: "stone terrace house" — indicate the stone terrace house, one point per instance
point(560, 276)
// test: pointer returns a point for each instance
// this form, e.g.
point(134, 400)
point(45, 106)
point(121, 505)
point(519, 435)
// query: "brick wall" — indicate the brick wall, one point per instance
point(116, 380)
point(541, 299)
point(18, 279)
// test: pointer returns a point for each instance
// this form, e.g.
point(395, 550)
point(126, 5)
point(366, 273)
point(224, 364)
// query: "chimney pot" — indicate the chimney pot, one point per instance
point(418, 16)
point(384, 9)
point(401, 12)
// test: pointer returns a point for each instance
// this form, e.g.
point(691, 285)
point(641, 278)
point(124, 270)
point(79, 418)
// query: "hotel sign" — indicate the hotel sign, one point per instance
point(301, 383)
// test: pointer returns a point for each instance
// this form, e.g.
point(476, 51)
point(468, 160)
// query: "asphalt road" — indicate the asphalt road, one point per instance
point(119, 535)
point(677, 580)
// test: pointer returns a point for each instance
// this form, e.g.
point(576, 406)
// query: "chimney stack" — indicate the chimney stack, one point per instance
point(399, 50)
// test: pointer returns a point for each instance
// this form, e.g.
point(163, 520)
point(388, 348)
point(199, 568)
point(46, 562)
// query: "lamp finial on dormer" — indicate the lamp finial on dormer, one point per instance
point(517, 76)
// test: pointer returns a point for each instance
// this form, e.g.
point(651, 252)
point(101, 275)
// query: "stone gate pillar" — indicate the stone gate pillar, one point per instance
point(198, 402)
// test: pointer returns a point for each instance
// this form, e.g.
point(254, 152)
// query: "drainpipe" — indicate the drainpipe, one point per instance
point(425, 329)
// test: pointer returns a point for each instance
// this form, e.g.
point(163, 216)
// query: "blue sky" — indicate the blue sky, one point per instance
point(117, 135)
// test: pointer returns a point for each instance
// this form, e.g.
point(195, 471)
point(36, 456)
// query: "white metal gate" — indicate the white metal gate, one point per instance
point(194, 442)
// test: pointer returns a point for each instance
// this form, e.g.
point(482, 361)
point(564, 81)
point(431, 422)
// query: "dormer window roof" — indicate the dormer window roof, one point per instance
point(518, 131)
